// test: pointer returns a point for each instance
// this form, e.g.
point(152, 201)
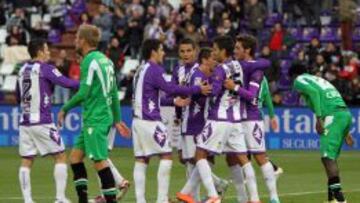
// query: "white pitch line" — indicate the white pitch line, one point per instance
point(290, 194)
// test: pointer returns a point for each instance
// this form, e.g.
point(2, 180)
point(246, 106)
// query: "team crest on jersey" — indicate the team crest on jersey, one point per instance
point(160, 136)
point(54, 135)
point(206, 132)
point(151, 105)
point(197, 81)
point(258, 134)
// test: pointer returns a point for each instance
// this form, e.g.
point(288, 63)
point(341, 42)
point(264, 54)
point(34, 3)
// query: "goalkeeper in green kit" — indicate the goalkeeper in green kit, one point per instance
point(98, 96)
point(333, 121)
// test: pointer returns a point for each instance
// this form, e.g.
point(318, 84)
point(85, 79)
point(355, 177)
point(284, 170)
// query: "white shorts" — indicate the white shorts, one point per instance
point(44, 139)
point(214, 136)
point(174, 131)
point(188, 147)
point(150, 138)
point(236, 143)
point(254, 136)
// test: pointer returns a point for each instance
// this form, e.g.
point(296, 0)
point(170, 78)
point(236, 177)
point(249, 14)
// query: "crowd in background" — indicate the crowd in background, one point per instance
point(324, 35)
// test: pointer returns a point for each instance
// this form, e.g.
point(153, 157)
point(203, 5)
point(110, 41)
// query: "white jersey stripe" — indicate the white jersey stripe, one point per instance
point(139, 83)
point(254, 84)
point(90, 76)
point(35, 94)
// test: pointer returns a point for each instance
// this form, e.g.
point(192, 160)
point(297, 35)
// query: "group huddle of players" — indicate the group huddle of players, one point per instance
point(217, 91)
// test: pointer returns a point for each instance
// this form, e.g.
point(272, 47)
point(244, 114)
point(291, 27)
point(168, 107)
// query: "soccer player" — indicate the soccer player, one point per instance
point(149, 133)
point(333, 121)
point(37, 132)
point(98, 96)
point(252, 125)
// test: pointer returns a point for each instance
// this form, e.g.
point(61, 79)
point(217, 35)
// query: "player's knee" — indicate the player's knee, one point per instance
point(231, 160)
point(243, 159)
point(261, 159)
point(76, 156)
point(200, 154)
point(100, 165)
point(60, 158)
point(166, 156)
point(27, 162)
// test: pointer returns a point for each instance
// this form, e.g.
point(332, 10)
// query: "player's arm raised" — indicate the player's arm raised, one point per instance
point(172, 89)
point(304, 88)
point(54, 75)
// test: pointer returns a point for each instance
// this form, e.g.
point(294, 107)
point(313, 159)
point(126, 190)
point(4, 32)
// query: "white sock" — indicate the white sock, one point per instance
point(206, 178)
point(238, 178)
point(139, 180)
point(24, 178)
point(216, 178)
point(270, 180)
point(164, 180)
point(117, 176)
point(191, 182)
point(60, 176)
point(194, 184)
point(251, 185)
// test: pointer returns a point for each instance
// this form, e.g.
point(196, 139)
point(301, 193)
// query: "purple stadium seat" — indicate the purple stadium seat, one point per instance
point(290, 98)
point(69, 22)
point(54, 36)
point(328, 34)
point(356, 34)
point(78, 7)
point(309, 33)
point(296, 32)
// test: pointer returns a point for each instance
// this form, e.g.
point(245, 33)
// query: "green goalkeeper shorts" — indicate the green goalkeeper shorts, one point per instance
point(337, 126)
point(93, 140)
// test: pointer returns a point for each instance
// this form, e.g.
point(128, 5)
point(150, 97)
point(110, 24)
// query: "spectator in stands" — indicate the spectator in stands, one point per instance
point(164, 9)
point(189, 14)
point(311, 11)
point(116, 54)
point(313, 50)
point(61, 94)
point(57, 9)
point(18, 19)
point(228, 28)
point(150, 14)
point(104, 21)
point(236, 10)
point(16, 37)
point(293, 13)
point(320, 66)
point(347, 13)
point(2, 14)
point(136, 7)
point(135, 32)
point(40, 30)
point(119, 18)
point(301, 59)
point(84, 18)
point(191, 32)
point(331, 53)
point(273, 73)
point(153, 30)
point(271, 4)
point(255, 12)
point(280, 41)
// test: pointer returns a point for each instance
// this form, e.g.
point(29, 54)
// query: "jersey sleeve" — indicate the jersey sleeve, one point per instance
point(266, 97)
point(158, 81)
point(251, 94)
point(260, 64)
point(115, 104)
point(305, 88)
point(86, 78)
point(54, 75)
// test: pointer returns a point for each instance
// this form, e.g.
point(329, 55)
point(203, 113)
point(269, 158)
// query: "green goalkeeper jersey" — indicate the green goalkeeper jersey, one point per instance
point(319, 94)
point(98, 93)
point(265, 98)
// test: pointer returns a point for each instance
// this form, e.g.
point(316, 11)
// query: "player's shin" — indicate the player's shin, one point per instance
point(206, 177)
point(238, 180)
point(163, 180)
point(334, 184)
point(108, 185)
point(270, 180)
point(24, 178)
point(60, 176)
point(139, 180)
point(81, 181)
point(251, 184)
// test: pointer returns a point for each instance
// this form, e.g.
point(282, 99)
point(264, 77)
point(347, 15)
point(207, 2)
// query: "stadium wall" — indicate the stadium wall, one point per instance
point(296, 128)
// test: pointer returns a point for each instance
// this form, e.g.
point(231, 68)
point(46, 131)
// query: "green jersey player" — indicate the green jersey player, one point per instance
point(332, 124)
point(99, 98)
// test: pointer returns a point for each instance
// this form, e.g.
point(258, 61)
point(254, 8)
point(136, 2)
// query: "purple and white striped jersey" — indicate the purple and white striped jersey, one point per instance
point(223, 104)
point(194, 115)
point(148, 81)
point(34, 89)
point(253, 73)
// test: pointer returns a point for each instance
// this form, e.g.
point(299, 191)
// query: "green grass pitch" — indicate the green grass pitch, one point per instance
point(303, 180)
